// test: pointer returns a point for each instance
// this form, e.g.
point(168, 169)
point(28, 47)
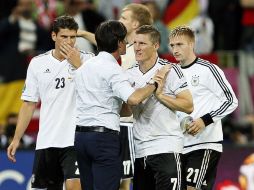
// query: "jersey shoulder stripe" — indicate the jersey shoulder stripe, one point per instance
point(43, 54)
point(174, 66)
point(163, 61)
point(134, 66)
point(221, 83)
point(177, 70)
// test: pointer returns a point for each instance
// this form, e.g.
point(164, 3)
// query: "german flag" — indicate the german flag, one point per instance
point(180, 12)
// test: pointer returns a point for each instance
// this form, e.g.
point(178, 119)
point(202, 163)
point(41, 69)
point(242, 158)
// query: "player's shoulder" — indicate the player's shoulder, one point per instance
point(42, 56)
point(134, 67)
point(82, 52)
point(39, 59)
point(175, 67)
point(205, 63)
point(163, 62)
point(208, 67)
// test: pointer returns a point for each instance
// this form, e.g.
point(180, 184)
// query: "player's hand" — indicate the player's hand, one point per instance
point(11, 150)
point(160, 78)
point(70, 53)
point(196, 127)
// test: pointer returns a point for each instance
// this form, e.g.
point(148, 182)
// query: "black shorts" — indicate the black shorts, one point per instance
point(199, 168)
point(127, 150)
point(52, 166)
point(160, 172)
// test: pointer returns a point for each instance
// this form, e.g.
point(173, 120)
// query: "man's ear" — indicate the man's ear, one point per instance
point(53, 36)
point(135, 24)
point(157, 46)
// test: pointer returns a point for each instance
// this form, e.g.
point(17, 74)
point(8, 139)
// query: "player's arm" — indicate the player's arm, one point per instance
point(87, 35)
point(126, 110)
point(141, 94)
point(25, 116)
point(182, 102)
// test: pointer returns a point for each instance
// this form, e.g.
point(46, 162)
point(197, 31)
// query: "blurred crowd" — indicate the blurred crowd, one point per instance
point(25, 27)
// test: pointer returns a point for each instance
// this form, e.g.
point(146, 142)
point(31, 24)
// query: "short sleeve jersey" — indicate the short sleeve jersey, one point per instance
point(51, 82)
point(156, 127)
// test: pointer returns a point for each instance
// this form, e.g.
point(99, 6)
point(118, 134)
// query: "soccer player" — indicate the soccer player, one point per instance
point(158, 138)
point(213, 99)
point(50, 80)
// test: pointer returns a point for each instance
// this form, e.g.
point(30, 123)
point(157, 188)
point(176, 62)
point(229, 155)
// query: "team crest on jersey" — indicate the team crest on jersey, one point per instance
point(195, 80)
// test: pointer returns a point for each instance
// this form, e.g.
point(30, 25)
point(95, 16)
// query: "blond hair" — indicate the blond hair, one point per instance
point(183, 31)
point(140, 13)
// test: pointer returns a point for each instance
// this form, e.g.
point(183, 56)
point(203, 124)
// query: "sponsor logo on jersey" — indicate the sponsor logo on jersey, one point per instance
point(47, 71)
point(195, 80)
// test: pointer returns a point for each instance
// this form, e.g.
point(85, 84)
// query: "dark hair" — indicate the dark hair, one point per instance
point(153, 33)
point(109, 34)
point(63, 22)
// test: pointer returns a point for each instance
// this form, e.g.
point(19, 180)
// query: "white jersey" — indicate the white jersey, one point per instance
point(128, 60)
point(156, 127)
point(213, 99)
point(51, 81)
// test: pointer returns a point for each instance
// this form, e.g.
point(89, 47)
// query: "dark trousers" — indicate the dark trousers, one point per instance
point(158, 172)
point(99, 162)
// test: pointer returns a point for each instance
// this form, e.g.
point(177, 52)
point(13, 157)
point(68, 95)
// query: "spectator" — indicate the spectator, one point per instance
point(20, 38)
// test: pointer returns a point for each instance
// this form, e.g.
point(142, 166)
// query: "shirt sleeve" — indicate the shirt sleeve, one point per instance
point(118, 80)
point(31, 91)
point(176, 82)
point(220, 87)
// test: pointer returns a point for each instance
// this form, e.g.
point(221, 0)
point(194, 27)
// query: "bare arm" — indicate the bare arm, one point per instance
point(140, 94)
point(183, 101)
point(25, 115)
point(87, 35)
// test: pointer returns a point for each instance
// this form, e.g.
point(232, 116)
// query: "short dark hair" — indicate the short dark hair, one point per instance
point(64, 22)
point(109, 34)
point(153, 33)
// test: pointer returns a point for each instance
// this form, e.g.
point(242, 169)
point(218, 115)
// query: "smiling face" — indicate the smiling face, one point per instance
point(144, 48)
point(182, 48)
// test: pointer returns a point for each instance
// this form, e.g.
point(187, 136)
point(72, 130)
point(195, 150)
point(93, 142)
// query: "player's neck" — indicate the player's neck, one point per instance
point(188, 61)
point(56, 54)
point(147, 64)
